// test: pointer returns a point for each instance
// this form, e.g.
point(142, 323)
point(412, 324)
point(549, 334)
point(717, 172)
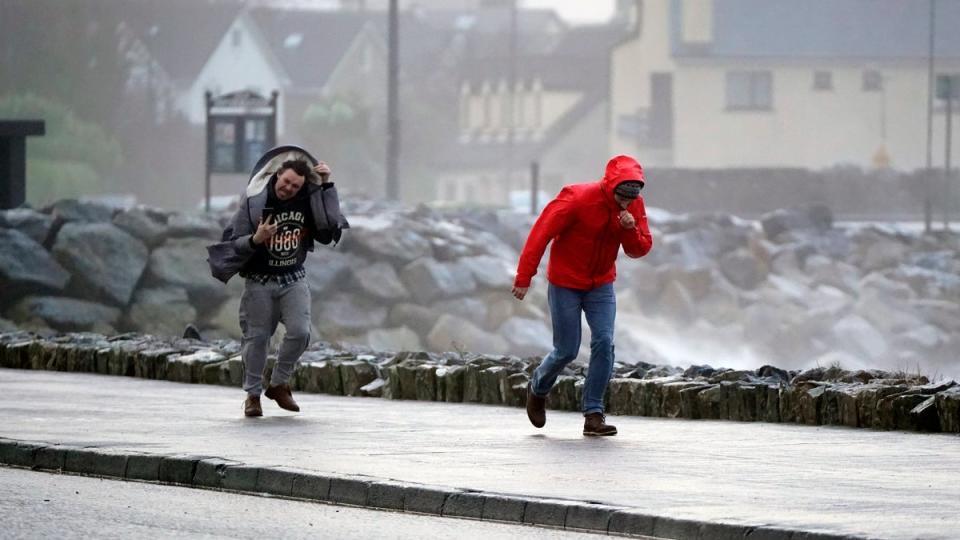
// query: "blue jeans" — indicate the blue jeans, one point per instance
point(600, 307)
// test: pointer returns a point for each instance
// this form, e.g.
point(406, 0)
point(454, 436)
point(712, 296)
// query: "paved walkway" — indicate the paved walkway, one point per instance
point(831, 480)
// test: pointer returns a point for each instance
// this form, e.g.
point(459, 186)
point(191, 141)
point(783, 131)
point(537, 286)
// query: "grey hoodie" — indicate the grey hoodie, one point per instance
point(227, 257)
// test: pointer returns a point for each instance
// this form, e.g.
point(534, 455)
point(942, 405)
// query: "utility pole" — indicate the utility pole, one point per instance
point(951, 84)
point(511, 96)
point(927, 198)
point(393, 114)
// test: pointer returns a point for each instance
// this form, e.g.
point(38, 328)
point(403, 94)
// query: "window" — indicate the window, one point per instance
point(822, 80)
point(255, 141)
point(872, 81)
point(224, 145)
point(749, 90)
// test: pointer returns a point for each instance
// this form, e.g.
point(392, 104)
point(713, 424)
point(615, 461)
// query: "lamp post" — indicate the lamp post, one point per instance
point(927, 198)
point(948, 87)
point(393, 114)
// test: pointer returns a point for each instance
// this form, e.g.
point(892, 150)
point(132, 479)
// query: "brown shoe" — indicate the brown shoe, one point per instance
point(283, 396)
point(595, 425)
point(536, 408)
point(251, 406)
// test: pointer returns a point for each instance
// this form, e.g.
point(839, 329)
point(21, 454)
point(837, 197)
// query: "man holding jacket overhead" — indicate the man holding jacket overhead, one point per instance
point(289, 203)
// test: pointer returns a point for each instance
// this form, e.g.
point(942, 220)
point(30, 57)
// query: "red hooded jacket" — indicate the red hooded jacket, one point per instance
point(584, 223)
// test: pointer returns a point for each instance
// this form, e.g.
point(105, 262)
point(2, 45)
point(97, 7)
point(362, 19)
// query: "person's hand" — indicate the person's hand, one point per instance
point(324, 171)
point(520, 292)
point(265, 230)
point(627, 220)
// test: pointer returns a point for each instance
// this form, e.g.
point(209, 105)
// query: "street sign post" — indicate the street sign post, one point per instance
point(241, 126)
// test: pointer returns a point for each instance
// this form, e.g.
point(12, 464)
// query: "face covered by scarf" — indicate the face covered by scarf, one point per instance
point(629, 189)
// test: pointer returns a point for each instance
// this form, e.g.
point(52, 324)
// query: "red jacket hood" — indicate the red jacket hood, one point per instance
point(621, 169)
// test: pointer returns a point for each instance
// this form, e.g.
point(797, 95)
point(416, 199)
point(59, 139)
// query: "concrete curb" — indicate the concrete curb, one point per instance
point(376, 493)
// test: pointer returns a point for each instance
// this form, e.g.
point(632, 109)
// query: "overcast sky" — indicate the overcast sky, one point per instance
point(577, 11)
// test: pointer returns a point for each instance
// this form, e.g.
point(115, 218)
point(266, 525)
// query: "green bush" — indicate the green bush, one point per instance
point(74, 158)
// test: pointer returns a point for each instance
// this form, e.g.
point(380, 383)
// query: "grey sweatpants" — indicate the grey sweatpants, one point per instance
point(262, 307)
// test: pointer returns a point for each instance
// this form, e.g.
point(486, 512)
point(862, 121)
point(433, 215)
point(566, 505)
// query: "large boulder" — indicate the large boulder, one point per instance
point(380, 280)
point(394, 339)
point(343, 314)
point(813, 219)
point(382, 238)
point(26, 267)
point(823, 270)
point(428, 279)
point(67, 210)
point(858, 337)
point(490, 272)
point(454, 333)
point(147, 224)
point(64, 314)
point(226, 319)
point(328, 269)
point(193, 225)
point(527, 337)
point(469, 308)
point(163, 312)
point(183, 263)
point(28, 221)
point(743, 269)
point(418, 318)
point(106, 262)
point(676, 303)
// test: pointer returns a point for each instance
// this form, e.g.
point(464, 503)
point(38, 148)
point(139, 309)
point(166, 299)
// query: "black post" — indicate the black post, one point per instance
point(511, 93)
point(208, 105)
point(534, 187)
point(927, 197)
point(272, 123)
point(13, 159)
point(393, 115)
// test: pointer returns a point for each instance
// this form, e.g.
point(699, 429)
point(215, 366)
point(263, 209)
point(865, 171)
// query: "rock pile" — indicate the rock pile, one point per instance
point(801, 291)
point(794, 289)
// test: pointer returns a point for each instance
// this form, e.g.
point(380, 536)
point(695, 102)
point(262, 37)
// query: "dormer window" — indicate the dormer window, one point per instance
point(822, 80)
point(872, 81)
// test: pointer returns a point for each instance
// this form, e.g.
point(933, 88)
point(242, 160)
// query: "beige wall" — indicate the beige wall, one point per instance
point(631, 65)
point(484, 111)
point(805, 128)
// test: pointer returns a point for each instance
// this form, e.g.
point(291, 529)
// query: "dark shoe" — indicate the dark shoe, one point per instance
point(536, 408)
point(191, 332)
point(595, 425)
point(283, 396)
point(251, 406)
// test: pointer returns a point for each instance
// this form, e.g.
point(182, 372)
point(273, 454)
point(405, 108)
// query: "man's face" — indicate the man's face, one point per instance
point(624, 202)
point(288, 184)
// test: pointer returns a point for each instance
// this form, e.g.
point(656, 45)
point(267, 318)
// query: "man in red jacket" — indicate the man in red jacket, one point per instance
point(587, 223)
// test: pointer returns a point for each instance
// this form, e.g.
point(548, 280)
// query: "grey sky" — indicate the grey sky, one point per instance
point(576, 11)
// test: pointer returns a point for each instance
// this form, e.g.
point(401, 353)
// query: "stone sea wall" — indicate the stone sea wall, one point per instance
point(832, 396)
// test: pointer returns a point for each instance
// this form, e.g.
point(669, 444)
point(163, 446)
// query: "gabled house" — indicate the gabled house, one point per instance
point(768, 83)
point(555, 116)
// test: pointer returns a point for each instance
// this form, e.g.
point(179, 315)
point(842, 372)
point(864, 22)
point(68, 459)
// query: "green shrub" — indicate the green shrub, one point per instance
point(74, 158)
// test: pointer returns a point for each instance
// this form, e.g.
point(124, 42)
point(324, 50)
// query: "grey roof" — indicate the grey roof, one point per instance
point(871, 29)
point(308, 44)
point(181, 34)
